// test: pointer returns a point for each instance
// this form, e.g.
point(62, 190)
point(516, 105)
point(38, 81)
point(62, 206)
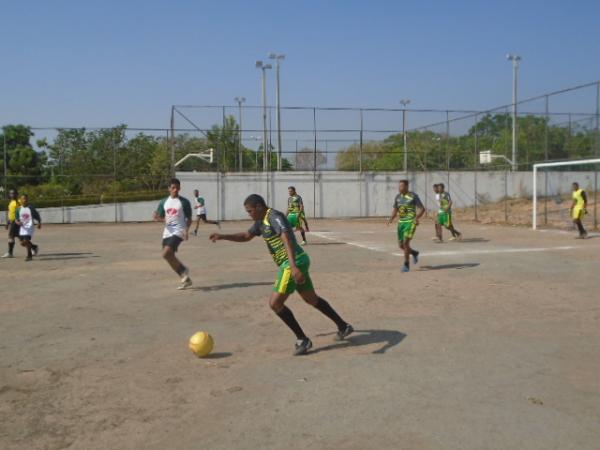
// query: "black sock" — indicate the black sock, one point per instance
point(181, 269)
point(414, 252)
point(324, 306)
point(303, 235)
point(580, 227)
point(287, 316)
point(29, 255)
point(406, 264)
point(11, 247)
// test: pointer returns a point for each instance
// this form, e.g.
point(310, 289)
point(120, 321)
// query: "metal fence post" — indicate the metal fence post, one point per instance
point(475, 162)
point(315, 163)
point(546, 160)
point(360, 149)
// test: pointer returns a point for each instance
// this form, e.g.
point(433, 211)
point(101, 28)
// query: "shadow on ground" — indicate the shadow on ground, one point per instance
point(472, 240)
point(326, 243)
point(65, 256)
point(389, 339)
point(448, 266)
point(220, 287)
point(218, 355)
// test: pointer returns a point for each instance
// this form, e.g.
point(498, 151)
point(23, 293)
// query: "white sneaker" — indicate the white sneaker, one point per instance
point(186, 282)
point(7, 255)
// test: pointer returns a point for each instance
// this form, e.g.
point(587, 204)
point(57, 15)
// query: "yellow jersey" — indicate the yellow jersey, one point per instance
point(12, 210)
point(578, 197)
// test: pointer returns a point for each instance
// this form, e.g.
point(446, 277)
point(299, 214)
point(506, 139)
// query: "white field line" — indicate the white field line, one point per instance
point(335, 237)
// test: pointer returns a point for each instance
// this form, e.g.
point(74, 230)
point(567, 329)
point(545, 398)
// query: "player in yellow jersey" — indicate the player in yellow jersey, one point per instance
point(578, 209)
point(11, 225)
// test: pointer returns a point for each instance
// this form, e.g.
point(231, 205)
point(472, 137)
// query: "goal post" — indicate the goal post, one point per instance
point(536, 167)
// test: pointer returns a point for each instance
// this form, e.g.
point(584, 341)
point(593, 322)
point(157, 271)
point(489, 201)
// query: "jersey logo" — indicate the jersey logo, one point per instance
point(172, 211)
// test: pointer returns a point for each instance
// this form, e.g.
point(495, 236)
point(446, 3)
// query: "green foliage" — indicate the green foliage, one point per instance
point(437, 151)
point(22, 160)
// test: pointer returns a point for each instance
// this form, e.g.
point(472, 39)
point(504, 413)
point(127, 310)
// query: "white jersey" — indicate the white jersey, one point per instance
point(176, 212)
point(199, 205)
point(437, 201)
point(27, 215)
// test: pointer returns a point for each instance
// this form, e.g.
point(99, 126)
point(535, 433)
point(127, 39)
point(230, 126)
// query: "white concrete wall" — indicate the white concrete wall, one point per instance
point(328, 194)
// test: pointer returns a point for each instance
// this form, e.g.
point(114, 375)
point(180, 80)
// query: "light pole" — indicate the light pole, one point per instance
point(264, 67)
point(278, 58)
point(239, 101)
point(404, 102)
point(515, 62)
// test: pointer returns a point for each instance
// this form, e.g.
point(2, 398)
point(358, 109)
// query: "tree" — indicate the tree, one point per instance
point(305, 159)
point(24, 164)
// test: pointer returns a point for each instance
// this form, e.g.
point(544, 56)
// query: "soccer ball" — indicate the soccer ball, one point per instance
point(201, 344)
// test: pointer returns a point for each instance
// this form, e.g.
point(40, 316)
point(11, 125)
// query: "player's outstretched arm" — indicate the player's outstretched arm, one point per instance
point(236, 237)
point(393, 216)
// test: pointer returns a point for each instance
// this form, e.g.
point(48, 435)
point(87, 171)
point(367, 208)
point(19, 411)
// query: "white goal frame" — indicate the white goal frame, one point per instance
point(554, 164)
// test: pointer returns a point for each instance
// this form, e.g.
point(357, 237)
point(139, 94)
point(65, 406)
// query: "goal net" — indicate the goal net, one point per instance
point(552, 192)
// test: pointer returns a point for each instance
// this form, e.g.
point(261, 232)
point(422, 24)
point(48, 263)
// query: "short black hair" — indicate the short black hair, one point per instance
point(255, 200)
point(441, 185)
point(293, 188)
point(25, 195)
point(405, 182)
point(435, 185)
point(575, 183)
point(175, 181)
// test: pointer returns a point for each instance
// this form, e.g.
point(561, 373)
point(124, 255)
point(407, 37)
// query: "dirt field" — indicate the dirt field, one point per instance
point(489, 343)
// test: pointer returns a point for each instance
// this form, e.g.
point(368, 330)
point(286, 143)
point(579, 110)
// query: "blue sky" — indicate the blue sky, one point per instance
point(100, 63)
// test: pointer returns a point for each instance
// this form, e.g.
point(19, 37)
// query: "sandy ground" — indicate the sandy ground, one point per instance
point(489, 343)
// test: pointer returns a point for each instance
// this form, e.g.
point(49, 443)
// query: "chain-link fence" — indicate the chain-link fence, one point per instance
point(98, 166)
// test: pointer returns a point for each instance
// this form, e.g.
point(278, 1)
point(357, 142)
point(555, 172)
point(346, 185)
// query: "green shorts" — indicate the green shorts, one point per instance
point(294, 219)
point(406, 230)
point(285, 283)
point(445, 218)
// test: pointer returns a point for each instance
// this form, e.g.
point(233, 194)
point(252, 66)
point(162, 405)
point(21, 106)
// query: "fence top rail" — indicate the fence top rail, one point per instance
point(509, 105)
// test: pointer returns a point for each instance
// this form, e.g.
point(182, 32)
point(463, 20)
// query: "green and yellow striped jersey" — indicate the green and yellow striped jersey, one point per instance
point(271, 228)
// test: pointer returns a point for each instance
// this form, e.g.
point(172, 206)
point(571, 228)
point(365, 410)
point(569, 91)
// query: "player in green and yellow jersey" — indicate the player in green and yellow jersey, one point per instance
point(293, 264)
point(11, 222)
point(405, 207)
point(445, 213)
point(578, 209)
point(295, 213)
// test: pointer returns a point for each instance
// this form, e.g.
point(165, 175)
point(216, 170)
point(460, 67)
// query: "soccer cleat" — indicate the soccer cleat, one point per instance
point(8, 255)
point(35, 250)
point(415, 258)
point(185, 283)
point(302, 346)
point(452, 238)
point(343, 333)
point(29, 258)
point(405, 269)
point(438, 241)
point(195, 232)
point(303, 243)
point(218, 224)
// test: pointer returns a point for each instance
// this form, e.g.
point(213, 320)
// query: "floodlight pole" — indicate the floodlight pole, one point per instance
point(264, 67)
point(239, 101)
point(278, 58)
point(404, 102)
point(515, 62)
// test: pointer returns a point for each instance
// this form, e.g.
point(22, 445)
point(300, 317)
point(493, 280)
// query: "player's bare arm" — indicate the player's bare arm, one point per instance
point(393, 216)
point(420, 214)
point(236, 237)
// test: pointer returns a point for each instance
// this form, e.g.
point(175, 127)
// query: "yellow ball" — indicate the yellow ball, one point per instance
point(201, 344)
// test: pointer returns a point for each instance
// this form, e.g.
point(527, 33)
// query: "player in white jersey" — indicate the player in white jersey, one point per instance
point(200, 207)
point(26, 219)
point(176, 211)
